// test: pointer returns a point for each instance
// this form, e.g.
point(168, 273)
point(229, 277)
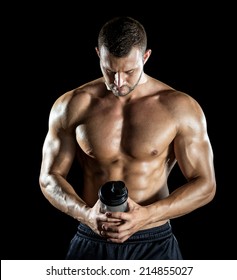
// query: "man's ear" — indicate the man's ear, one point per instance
point(97, 51)
point(146, 55)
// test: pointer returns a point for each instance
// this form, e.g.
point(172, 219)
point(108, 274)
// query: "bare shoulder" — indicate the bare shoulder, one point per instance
point(180, 102)
point(175, 100)
point(72, 106)
point(186, 110)
point(180, 106)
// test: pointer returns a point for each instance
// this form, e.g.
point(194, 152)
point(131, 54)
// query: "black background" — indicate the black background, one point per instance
point(49, 50)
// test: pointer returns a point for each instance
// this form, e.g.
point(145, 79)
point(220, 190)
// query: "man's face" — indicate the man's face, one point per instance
point(122, 74)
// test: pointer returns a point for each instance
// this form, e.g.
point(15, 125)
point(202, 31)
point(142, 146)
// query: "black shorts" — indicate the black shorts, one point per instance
point(157, 243)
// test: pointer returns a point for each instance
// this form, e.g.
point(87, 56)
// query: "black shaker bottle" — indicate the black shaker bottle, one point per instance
point(113, 196)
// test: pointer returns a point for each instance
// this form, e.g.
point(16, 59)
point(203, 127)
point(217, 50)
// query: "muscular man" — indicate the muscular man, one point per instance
point(127, 126)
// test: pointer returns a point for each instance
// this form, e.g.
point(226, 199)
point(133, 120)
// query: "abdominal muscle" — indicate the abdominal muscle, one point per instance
point(146, 181)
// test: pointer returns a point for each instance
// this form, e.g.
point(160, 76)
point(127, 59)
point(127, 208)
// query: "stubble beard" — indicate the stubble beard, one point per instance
point(118, 92)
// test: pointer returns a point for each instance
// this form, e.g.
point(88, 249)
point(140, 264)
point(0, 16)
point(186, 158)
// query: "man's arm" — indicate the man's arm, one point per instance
point(57, 157)
point(194, 155)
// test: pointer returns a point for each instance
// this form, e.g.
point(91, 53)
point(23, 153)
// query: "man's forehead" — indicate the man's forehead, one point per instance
point(129, 62)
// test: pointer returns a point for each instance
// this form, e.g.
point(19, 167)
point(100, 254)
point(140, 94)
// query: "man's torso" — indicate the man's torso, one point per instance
point(129, 141)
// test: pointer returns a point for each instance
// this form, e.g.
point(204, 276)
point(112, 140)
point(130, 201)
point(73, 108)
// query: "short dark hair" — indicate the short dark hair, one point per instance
point(120, 34)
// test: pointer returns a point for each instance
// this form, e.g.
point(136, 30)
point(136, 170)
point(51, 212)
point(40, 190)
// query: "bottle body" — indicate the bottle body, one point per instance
point(108, 208)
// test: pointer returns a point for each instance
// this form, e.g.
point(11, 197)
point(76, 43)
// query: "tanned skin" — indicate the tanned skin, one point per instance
point(127, 126)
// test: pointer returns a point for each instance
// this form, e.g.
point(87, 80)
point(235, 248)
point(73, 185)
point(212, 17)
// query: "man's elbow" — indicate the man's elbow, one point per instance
point(210, 191)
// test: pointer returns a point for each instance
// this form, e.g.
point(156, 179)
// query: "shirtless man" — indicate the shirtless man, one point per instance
point(126, 126)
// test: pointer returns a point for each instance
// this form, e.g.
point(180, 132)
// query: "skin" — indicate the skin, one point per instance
point(127, 126)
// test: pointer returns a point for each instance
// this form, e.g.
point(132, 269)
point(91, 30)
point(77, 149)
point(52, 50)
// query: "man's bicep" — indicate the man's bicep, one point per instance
point(194, 154)
point(58, 152)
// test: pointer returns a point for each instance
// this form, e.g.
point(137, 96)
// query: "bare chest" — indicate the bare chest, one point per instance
point(138, 131)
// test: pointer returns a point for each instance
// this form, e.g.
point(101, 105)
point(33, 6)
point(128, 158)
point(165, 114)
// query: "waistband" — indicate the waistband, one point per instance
point(146, 235)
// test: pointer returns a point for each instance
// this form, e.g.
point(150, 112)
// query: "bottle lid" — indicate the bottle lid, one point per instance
point(113, 193)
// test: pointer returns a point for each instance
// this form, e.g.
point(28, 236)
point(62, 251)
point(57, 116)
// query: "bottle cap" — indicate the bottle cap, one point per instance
point(113, 193)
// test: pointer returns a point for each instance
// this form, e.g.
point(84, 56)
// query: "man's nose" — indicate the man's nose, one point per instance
point(118, 79)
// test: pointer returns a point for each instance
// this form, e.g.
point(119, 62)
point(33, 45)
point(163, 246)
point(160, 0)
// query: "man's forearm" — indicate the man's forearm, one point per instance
point(62, 196)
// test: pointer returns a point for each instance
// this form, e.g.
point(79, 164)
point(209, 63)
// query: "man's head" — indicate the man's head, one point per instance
point(122, 49)
point(121, 34)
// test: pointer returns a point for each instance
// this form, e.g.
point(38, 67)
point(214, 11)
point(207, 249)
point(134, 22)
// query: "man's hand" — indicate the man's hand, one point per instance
point(119, 226)
point(95, 219)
